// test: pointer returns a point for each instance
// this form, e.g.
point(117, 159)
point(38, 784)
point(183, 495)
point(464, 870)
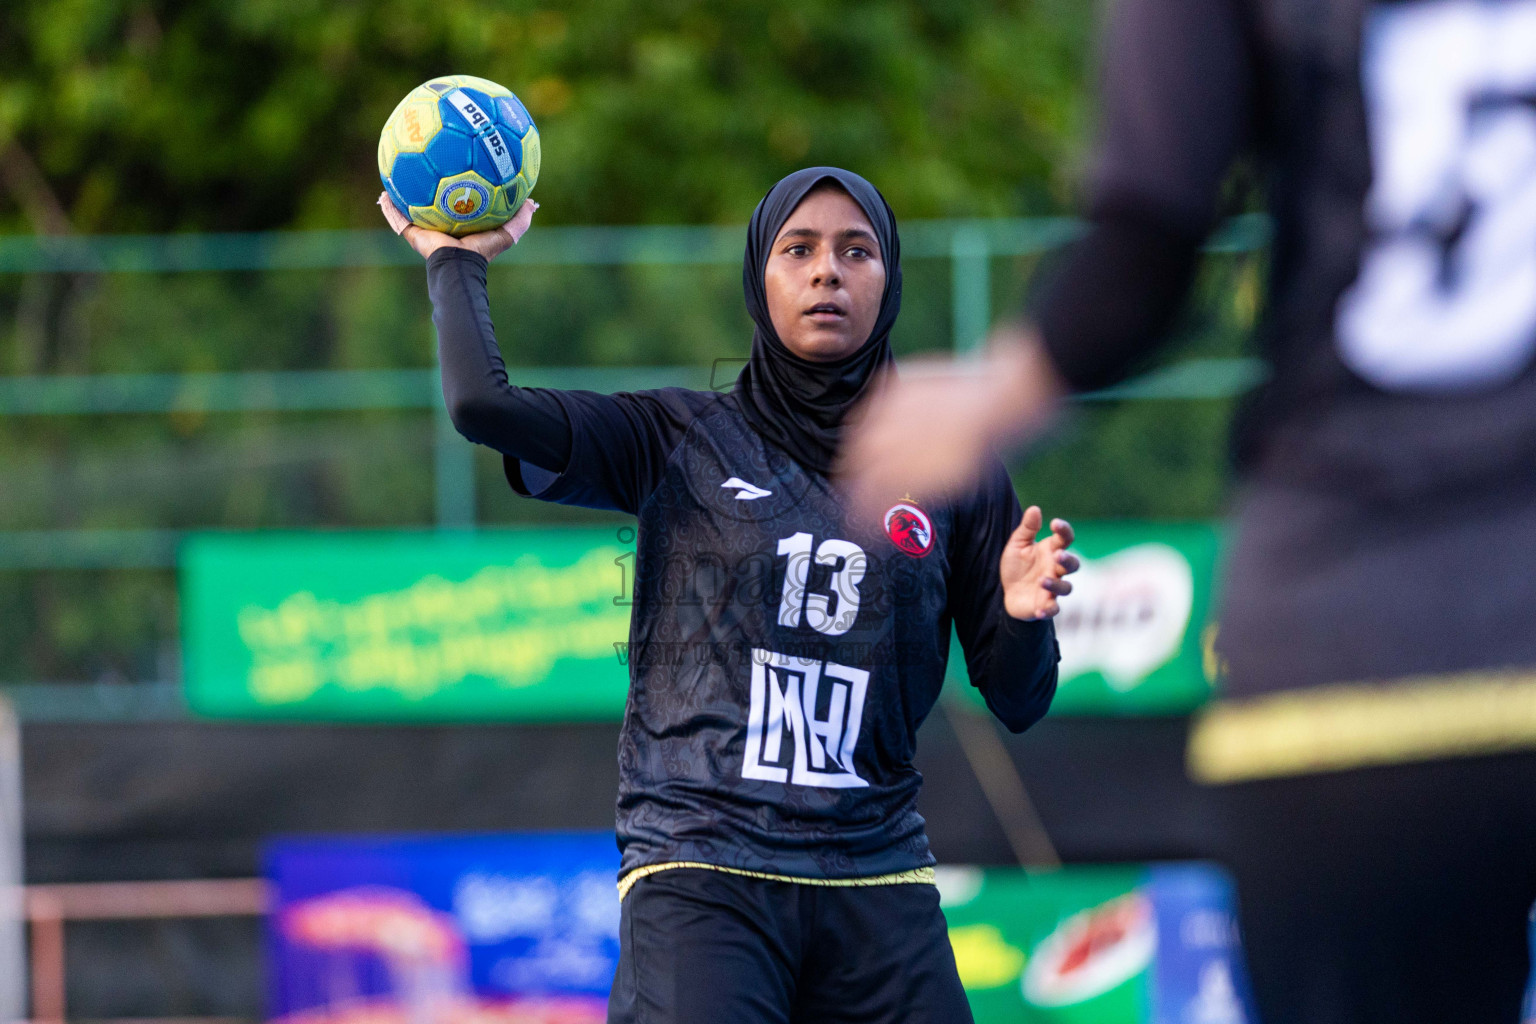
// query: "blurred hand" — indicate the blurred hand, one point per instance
point(489, 244)
point(1034, 571)
point(931, 430)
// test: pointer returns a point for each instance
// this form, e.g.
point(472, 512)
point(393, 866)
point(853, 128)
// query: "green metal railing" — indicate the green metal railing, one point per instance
point(282, 391)
point(969, 245)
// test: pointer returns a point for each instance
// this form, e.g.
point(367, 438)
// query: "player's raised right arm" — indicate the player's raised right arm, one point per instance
point(484, 405)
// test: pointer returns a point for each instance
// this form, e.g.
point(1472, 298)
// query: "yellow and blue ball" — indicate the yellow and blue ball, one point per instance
point(459, 154)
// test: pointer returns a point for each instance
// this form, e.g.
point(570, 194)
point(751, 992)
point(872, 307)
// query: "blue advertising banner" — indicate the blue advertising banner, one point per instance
point(525, 928)
point(1200, 977)
point(379, 930)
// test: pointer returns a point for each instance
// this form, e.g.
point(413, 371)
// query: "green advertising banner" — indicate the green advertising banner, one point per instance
point(533, 624)
point(1151, 944)
point(528, 624)
point(1134, 633)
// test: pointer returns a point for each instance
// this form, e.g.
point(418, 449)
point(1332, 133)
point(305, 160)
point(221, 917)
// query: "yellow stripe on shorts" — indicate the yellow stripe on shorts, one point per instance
point(916, 876)
point(1356, 725)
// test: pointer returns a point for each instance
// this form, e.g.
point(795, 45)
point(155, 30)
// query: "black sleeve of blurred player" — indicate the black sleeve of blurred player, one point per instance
point(1011, 661)
point(486, 407)
point(1175, 95)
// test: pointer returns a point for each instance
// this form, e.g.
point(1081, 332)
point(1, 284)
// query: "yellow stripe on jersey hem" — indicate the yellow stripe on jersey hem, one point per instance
point(1356, 725)
point(916, 876)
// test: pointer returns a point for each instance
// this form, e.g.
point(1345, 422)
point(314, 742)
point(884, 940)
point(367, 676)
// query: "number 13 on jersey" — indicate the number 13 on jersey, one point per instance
point(805, 715)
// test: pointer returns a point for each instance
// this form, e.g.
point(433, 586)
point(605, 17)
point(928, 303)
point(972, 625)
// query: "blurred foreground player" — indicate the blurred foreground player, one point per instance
point(775, 868)
point(1375, 739)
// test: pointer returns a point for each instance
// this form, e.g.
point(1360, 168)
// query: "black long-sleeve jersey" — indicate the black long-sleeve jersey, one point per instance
point(1396, 144)
point(1394, 445)
point(781, 659)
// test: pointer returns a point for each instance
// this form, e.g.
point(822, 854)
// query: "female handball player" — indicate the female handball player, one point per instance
point(774, 865)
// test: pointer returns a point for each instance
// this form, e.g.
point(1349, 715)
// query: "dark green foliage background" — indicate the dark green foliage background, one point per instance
point(126, 116)
point(157, 115)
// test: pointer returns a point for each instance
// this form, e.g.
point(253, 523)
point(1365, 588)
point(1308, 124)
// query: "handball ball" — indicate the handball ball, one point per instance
point(459, 154)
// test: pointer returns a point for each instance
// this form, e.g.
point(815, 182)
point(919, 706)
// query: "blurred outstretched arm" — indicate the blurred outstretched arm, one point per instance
point(1176, 96)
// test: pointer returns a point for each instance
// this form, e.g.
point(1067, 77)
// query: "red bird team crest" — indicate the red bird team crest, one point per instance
point(909, 528)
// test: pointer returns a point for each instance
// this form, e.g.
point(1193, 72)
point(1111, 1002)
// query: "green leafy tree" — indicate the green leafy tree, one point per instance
point(158, 115)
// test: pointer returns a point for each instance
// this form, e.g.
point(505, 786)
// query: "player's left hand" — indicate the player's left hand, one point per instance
point(1034, 571)
point(489, 244)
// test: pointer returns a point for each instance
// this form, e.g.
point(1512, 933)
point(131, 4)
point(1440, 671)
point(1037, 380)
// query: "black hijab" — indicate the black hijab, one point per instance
point(796, 403)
